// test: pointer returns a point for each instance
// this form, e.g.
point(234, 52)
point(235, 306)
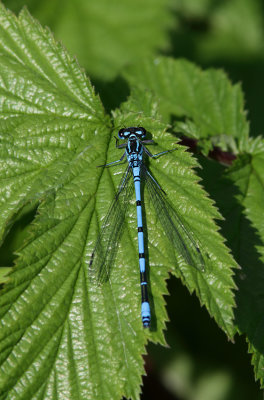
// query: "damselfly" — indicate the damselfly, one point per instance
point(175, 227)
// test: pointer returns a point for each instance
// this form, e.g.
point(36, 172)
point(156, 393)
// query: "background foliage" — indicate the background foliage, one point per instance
point(115, 42)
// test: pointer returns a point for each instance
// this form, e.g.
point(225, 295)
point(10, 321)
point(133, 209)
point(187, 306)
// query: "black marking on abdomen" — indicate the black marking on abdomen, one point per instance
point(144, 290)
point(143, 277)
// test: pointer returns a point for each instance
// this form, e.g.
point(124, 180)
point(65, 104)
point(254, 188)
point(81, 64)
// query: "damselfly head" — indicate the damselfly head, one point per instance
point(125, 133)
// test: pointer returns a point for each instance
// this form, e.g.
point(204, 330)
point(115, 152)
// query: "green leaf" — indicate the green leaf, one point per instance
point(247, 174)
point(207, 98)
point(239, 194)
point(61, 336)
point(4, 271)
point(49, 110)
point(105, 35)
point(174, 173)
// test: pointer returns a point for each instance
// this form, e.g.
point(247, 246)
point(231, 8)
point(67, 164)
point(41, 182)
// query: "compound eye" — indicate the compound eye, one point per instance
point(141, 132)
point(124, 133)
point(121, 133)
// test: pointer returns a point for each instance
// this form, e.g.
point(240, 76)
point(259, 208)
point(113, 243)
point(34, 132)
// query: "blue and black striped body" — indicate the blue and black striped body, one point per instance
point(134, 153)
point(176, 229)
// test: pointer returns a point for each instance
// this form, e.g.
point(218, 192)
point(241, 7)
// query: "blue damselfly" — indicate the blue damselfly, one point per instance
point(176, 229)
